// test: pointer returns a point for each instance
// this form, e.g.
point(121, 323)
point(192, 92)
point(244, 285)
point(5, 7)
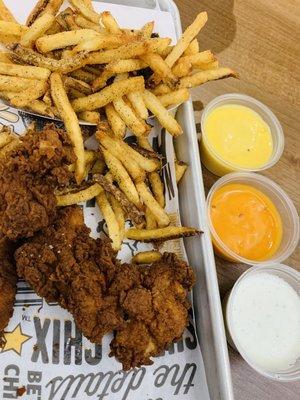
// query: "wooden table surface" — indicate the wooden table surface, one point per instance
point(261, 40)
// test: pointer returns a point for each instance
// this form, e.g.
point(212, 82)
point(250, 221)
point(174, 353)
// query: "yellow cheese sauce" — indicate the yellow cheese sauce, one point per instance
point(238, 135)
point(246, 221)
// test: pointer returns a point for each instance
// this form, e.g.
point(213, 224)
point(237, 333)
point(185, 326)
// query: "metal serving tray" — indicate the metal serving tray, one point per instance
point(207, 305)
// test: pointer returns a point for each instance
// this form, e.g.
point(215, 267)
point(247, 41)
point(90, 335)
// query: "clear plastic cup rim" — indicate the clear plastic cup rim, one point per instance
point(248, 101)
point(271, 268)
point(240, 176)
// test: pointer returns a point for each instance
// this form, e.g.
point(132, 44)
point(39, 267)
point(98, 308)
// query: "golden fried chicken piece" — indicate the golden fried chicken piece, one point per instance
point(63, 263)
point(28, 176)
point(8, 282)
point(156, 311)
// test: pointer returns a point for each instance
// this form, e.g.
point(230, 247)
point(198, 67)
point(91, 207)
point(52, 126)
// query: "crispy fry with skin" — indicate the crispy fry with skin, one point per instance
point(24, 71)
point(137, 102)
point(78, 197)
point(87, 24)
point(160, 215)
point(147, 30)
point(117, 208)
point(32, 93)
point(93, 117)
point(77, 84)
point(205, 76)
point(109, 94)
point(198, 59)
point(5, 57)
point(146, 257)
point(122, 177)
point(70, 119)
point(174, 98)
point(86, 11)
point(110, 219)
point(12, 28)
point(160, 67)
point(193, 48)
point(161, 234)
point(157, 188)
point(42, 7)
point(137, 126)
point(116, 123)
point(110, 23)
point(162, 114)
point(37, 29)
point(15, 84)
point(150, 219)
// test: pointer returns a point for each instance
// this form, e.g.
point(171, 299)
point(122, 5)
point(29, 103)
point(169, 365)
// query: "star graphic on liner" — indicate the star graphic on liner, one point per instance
point(14, 340)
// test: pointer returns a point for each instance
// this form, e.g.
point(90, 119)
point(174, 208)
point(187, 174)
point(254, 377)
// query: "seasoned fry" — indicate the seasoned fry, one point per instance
point(24, 71)
point(70, 119)
point(42, 7)
point(110, 219)
point(88, 4)
point(107, 95)
point(161, 234)
point(157, 188)
point(182, 69)
point(116, 206)
point(160, 67)
point(87, 24)
point(5, 14)
point(33, 92)
point(193, 48)
point(86, 11)
point(78, 197)
point(113, 146)
point(186, 38)
point(15, 84)
point(137, 126)
point(197, 60)
point(39, 107)
point(37, 29)
point(92, 117)
point(147, 30)
point(63, 39)
point(211, 65)
point(83, 75)
point(115, 121)
point(160, 215)
point(146, 257)
point(150, 219)
point(77, 84)
point(70, 21)
point(144, 143)
point(204, 76)
point(174, 98)
point(99, 166)
point(12, 28)
point(110, 23)
point(137, 102)
point(117, 67)
point(180, 169)
point(122, 177)
point(5, 57)
point(162, 114)
point(63, 66)
point(161, 89)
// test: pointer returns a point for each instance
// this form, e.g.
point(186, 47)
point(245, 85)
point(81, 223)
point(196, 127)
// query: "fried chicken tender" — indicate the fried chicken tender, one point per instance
point(156, 311)
point(63, 263)
point(28, 176)
point(8, 282)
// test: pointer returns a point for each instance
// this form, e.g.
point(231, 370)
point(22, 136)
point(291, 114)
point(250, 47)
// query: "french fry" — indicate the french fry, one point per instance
point(116, 206)
point(182, 69)
point(115, 121)
point(196, 60)
point(162, 114)
point(110, 23)
point(144, 143)
point(161, 234)
point(70, 21)
point(150, 219)
point(157, 188)
point(86, 11)
point(146, 257)
point(165, 52)
point(117, 67)
point(174, 98)
point(193, 48)
point(180, 169)
point(110, 219)
point(160, 67)
point(70, 119)
point(12, 28)
point(43, 7)
point(87, 24)
point(122, 177)
point(188, 35)
point(211, 65)
point(5, 14)
point(161, 89)
point(37, 29)
point(77, 84)
point(24, 71)
point(78, 197)
point(137, 126)
point(63, 66)
point(99, 166)
point(147, 30)
point(75, 94)
point(137, 102)
point(204, 76)
point(134, 213)
point(39, 107)
point(160, 215)
point(5, 57)
point(63, 39)
point(88, 4)
point(83, 75)
point(33, 92)
point(108, 94)
point(113, 146)
point(93, 117)
point(14, 83)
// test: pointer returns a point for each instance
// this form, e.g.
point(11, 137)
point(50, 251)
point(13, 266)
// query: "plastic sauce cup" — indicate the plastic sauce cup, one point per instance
point(283, 204)
point(270, 306)
point(209, 157)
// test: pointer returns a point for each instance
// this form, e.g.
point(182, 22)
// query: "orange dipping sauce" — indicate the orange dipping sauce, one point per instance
point(246, 221)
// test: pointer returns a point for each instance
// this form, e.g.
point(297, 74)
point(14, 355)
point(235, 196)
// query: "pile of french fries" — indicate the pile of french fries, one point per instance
point(79, 64)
